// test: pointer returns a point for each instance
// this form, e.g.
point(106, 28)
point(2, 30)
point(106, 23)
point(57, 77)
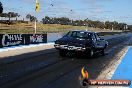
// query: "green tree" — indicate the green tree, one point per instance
point(1, 8)
point(17, 15)
point(48, 20)
point(12, 15)
point(28, 16)
point(3, 15)
point(9, 15)
point(31, 18)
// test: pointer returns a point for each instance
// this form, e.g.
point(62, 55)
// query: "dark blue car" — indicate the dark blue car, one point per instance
point(83, 42)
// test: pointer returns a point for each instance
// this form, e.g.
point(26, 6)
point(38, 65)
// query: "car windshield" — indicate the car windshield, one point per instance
point(69, 34)
point(78, 34)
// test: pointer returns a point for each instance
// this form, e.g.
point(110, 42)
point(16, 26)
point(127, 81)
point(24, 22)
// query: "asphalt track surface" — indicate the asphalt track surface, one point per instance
point(49, 70)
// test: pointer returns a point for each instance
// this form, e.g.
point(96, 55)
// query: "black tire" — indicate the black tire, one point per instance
point(103, 52)
point(89, 53)
point(62, 53)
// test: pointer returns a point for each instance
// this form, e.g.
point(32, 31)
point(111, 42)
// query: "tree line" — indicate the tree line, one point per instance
point(66, 21)
point(1, 8)
point(90, 23)
point(9, 15)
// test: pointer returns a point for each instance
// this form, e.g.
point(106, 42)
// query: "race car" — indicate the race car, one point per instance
point(83, 42)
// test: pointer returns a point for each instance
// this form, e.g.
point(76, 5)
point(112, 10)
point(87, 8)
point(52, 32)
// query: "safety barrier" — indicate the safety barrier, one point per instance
point(7, 40)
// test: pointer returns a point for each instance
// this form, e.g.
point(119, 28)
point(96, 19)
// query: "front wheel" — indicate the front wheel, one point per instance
point(103, 52)
point(90, 53)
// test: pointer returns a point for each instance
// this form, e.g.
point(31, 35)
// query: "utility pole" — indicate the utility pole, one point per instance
point(104, 25)
point(71, 11)
point(87, 24)
point(112, 27)
point(37, 10)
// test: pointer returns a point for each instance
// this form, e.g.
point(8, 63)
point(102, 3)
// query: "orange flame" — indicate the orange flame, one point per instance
point(84, 73)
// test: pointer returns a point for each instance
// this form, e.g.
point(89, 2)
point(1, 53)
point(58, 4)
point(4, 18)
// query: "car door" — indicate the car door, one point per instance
point(94, 41)
point(71, 43)
point(100, 43)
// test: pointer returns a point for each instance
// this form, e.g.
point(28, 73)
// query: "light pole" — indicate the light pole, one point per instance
point(37, 8)
point(87, 24)
point(71, 11)
point(112, 27)
point(104, 25)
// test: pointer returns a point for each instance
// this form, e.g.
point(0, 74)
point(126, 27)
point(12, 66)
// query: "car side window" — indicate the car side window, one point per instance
point(93, 38)
point(69, 34)
point(74, 34)
point(97, 37)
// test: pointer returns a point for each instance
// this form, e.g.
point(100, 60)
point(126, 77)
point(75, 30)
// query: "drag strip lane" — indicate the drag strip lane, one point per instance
point(55, 69)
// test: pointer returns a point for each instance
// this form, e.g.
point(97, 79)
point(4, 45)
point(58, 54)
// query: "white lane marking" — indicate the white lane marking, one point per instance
point(112, 71)
point(113, 68)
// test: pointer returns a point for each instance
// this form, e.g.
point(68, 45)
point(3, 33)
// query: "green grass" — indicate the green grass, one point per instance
point(16, 31)
point(20, 28)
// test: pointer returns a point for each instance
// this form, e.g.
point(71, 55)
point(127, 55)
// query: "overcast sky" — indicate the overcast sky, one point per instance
point(103, 10)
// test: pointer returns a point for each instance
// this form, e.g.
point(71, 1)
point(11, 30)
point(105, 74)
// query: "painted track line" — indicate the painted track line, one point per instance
point(124, 71)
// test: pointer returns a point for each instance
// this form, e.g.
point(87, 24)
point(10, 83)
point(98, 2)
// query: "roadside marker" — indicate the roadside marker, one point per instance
point(37, 8)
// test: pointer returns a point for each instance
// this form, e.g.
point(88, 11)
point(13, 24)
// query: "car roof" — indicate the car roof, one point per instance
point(82, 31)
